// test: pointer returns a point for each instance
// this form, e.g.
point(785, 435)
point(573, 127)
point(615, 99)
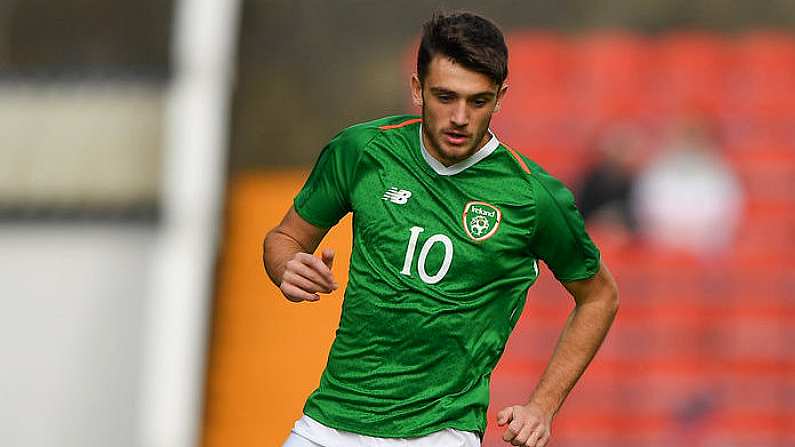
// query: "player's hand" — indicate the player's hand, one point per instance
point(306, 275)
point(528, 425)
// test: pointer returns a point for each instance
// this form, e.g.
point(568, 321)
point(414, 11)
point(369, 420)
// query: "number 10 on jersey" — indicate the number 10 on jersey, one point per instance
point(426, 247)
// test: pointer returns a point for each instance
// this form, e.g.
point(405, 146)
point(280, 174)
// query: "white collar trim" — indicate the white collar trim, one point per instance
point(441, 169)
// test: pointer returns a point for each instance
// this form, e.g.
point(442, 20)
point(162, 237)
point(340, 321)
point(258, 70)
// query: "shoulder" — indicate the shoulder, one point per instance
point(550, 189)
point(362, 133)
point(553, 205)
point(393, 123)
point(521, 165)
point(545, 188)
point(348, 147)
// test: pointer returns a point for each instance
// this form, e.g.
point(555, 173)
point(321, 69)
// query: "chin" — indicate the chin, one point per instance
point(453, 154)
point(461, 152)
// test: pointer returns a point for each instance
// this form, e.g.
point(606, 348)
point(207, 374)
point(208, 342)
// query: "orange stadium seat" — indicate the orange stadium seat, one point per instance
point(692, 72)
point(768, 175)
point(539, 60)
point(611, 77)
point(764, 243)
point(528, 119)
point(749, 121)
point(612, 61)
point(767, 56)
point(764, 89)
point(538, 105)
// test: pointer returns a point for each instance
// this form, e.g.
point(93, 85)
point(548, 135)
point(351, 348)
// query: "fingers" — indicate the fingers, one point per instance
point(514, 430)
point(295, 294)
point(527, 435)
point(313, 269)
point(328, 257)
point(534, 437)
point(298, 273)
point(319, 266)
point(306, 275)
point(524, 434)
point(504, 416)
point(543, 440)
point(538, 437)
point(523, 429)
point(305, 284)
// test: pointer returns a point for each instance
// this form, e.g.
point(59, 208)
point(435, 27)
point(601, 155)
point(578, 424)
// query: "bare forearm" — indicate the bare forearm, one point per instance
point(277, 250)
point(292, 236)
point(583, 333)
point(287, 255)
point(579, 341)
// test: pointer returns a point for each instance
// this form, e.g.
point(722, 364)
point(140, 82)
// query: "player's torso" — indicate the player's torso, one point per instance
point(439, 272)
point(449, 236)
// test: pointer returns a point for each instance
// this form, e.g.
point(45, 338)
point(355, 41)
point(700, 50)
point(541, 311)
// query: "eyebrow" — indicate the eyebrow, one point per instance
point(444, 91)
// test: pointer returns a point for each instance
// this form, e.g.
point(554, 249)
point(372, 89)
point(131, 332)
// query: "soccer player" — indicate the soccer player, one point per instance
point(448, 226)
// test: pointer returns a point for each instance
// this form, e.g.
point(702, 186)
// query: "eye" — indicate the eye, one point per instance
point(445, 98)
point(480, 102)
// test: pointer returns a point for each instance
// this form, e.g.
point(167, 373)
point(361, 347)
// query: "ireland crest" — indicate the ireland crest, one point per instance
point(481, 220)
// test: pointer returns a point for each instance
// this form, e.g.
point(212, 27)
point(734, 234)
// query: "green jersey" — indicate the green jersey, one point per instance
point(441, 264)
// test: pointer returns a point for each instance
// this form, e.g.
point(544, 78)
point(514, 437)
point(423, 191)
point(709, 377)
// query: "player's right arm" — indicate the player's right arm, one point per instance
point(287, 255)
point(323, 200)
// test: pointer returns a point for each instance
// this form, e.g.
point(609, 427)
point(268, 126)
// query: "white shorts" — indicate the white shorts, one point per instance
point(308, 432)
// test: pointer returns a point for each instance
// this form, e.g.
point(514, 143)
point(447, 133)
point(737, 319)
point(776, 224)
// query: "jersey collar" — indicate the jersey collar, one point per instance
point(441, 169)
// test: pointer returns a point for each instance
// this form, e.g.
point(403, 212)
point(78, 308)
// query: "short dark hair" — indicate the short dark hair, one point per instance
point(467, 39)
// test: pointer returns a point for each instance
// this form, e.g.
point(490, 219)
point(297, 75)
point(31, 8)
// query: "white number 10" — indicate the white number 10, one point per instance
point(426, 247)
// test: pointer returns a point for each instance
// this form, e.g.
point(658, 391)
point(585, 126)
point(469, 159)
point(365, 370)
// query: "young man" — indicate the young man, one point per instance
point(449, 224)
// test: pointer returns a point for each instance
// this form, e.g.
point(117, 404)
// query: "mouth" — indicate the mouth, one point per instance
point(455, 138)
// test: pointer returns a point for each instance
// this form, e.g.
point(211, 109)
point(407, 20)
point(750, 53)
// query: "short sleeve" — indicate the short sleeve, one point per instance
point(326, 196)
point(559, 237)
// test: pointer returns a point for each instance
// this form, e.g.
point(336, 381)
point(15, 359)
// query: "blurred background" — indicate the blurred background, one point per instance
point(147, 147)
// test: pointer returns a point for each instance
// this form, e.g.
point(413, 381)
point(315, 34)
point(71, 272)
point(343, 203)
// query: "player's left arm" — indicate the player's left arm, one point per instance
point(596, 306)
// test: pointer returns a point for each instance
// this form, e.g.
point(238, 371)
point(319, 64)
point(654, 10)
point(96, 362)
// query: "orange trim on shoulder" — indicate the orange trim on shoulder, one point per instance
point(519, 160)
point(403, 124)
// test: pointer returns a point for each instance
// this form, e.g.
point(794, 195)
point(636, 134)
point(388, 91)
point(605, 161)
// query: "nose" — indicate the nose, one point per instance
point(460, 116)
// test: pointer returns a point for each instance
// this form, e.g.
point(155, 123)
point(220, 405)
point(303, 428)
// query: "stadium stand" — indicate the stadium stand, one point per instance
point(699, 353)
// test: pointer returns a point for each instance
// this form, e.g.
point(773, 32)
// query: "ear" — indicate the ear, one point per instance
point(500, 96)
point(416, 90)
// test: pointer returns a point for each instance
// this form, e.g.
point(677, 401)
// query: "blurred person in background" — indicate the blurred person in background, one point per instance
point(688, 198)
point(605, 190)
point(449, 224)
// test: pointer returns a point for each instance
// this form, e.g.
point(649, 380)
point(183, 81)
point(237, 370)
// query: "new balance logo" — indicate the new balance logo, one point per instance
point(399, 196)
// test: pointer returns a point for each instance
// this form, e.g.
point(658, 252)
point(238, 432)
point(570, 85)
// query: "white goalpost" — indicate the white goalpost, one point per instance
point(195, 145)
